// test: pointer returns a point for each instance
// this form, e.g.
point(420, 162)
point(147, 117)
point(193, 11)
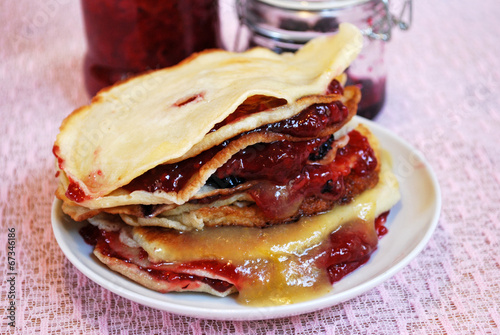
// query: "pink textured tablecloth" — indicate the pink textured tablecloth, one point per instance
point(443, 98)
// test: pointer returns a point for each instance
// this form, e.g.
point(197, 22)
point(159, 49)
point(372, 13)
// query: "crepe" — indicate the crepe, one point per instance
point(123, 197)
point(166, 116)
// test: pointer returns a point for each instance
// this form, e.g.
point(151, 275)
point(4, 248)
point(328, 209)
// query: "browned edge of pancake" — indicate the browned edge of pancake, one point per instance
point(142, 277)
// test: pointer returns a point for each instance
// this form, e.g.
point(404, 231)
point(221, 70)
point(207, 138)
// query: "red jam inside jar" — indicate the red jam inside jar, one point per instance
point(126, 37)
point(372, 95)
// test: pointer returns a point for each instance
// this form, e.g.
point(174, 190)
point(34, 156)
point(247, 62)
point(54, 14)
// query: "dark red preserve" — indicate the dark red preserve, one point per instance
point(126, 37)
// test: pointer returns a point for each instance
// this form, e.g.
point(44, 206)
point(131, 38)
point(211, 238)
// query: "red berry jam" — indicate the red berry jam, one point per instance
point(109, 244)
point(372, 96)
point(380, 224)
point(75, 193)
point(311, 120)
point(335, 88)
point(126, 37)
point(253, 104)
point(173, 177)
point(308, 123)
point(288, 169)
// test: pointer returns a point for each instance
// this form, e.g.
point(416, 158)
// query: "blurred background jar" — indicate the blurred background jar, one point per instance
point(126, 37)
point(285, 25)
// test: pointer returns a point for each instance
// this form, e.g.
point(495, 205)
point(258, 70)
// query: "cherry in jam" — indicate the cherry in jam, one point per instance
point(91, 234)
point(380, 222)
point(335, 88)
point(358, 154)
point(75, 193)
point(348, 250)
point(277, 162)
point(311, 120)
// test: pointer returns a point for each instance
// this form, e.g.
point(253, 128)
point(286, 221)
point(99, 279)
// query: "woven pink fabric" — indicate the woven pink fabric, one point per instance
point(443, 97)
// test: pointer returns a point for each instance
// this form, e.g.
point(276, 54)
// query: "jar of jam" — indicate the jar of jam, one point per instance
point(126, 37)
point(285, 25)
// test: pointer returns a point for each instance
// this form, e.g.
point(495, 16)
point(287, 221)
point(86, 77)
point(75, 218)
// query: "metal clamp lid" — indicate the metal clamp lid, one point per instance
point(313, 5)
point(378, 30)
point(382, 30)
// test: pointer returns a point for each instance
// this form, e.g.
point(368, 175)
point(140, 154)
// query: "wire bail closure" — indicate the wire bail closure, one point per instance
point(382, 30)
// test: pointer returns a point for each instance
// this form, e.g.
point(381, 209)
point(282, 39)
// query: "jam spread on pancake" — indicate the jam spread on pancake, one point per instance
point(288, 170)
point(344, 250)
point(278, 162)
point(352, 249)
point(335, 88)
point(172, 177)
point(308, 123)
point(311, 120)
point(288, 177)
point(74, 192)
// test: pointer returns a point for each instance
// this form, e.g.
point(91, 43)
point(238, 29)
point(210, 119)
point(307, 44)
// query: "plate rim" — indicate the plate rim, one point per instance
point(262, 313)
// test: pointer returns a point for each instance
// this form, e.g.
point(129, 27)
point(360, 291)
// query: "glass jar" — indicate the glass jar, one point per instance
point(285, 25)
point(126, 37)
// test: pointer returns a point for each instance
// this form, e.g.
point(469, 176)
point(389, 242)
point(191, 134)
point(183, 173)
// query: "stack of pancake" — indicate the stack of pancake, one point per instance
point(230, 172)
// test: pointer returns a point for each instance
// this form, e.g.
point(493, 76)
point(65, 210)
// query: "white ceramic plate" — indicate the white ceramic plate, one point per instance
point(411, 223)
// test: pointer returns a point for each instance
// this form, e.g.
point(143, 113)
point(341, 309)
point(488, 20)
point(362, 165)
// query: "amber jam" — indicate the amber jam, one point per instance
point(253, 260)
point(126, 37)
